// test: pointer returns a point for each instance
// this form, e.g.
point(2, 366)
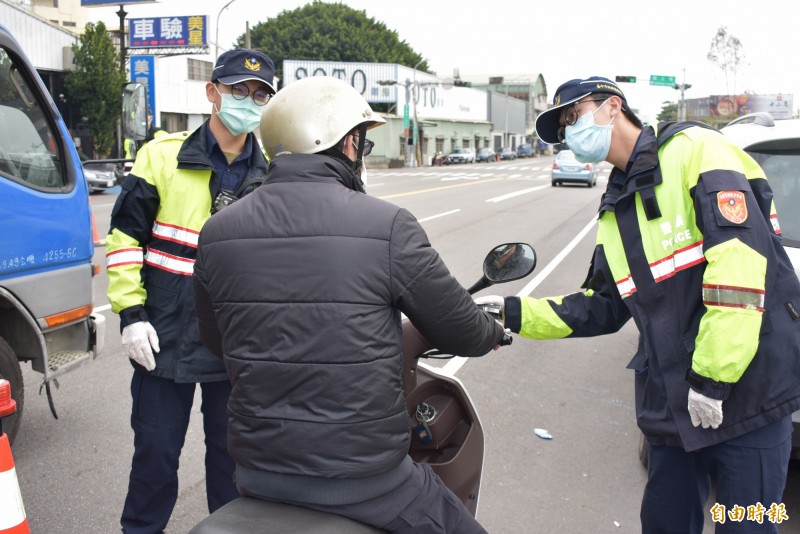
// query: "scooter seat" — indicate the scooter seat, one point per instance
point(249, 516)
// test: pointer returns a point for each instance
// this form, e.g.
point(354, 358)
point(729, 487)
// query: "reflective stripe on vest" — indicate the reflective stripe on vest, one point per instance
point(667, 267)
point(626, 287)
point(679, 260)
point(168, 262)
point(776, 226)
point(170, 232)
point(733, 297)
point(124, 256)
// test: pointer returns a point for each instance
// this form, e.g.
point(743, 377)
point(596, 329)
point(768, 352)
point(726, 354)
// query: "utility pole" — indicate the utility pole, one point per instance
point(682, 87)
point(414, 131)
point(408, 154)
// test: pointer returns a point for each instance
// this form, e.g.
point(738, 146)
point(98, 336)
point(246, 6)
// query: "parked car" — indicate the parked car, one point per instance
point(486, 154)
point(567, 169)
point(507, 153)
point(525, 151)
point(460, 155)
point(100, 176)
point(775, 145)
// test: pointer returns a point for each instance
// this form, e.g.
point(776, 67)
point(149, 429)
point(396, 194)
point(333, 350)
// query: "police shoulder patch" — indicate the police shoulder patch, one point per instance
point(732, 206)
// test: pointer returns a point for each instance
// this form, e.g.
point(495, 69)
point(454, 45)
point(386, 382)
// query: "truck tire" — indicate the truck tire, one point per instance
point(10, 370)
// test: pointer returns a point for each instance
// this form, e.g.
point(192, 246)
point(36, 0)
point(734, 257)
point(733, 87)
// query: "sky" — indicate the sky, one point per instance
point(561, 41)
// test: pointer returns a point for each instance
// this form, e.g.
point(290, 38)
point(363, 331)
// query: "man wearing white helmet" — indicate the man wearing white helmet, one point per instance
point(299, 289)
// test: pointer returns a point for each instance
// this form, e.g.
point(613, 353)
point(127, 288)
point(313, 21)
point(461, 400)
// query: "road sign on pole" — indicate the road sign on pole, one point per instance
point(655, 79)
point(405, 116)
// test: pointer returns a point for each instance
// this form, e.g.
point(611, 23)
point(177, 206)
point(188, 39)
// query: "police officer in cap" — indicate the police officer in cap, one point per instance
point(688, 245)
point(177, 182)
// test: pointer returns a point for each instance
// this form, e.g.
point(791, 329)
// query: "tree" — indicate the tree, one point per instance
point(726, 53)
point(95, 85)
point(323, 31)
point(669, 112)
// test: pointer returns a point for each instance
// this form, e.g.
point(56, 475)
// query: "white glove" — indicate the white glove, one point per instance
point(704, 410)
point(137, 340)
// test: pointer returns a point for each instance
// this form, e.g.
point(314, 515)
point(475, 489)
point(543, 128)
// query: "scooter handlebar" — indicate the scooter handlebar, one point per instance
point(507, 339)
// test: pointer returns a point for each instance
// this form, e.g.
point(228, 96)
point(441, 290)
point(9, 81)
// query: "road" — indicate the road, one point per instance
point(73, 471)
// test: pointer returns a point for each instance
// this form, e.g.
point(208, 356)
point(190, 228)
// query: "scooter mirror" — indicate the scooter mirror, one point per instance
point(508, 262)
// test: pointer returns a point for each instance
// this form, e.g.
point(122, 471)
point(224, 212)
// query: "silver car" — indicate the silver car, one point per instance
point(99, 176)
point(566, 169)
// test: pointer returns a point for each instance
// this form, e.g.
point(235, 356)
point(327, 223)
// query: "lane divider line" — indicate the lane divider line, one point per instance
point(432, 189)
point(439, 215)
point(516, 193)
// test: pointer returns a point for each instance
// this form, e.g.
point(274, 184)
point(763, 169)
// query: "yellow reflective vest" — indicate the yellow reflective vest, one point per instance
point(152, 244)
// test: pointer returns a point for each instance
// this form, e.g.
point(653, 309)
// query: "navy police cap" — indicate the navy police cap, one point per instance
point(242, 64)
point(567, 93)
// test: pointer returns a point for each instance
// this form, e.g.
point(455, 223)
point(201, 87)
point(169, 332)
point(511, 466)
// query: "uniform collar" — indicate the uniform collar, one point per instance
point(644, 158)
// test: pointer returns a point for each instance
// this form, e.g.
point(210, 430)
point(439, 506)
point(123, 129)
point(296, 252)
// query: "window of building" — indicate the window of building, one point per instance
point(440, 144)
point(200, 70)
point(68, 23)
point(465, 142)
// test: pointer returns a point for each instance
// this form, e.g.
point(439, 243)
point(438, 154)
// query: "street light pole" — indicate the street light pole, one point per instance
point(216, 39)
point(414, 132)
point(505, 128)
point(122, 49)
point(682, 87)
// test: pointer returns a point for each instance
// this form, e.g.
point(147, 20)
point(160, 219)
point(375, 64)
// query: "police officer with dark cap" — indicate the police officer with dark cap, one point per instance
point(689, 247)
point(177, 182)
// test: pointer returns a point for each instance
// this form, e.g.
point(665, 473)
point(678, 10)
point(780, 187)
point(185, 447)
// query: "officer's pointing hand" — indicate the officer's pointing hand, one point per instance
point(704, 410)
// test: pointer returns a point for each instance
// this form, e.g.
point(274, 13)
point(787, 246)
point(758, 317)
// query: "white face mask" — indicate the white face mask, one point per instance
point(239, 116)
point(590, 142)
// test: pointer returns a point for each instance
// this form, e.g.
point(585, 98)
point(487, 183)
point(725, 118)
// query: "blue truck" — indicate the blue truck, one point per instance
point(46, 236)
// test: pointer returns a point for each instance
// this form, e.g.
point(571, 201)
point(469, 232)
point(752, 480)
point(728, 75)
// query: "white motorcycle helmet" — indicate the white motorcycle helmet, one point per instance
point(312, 115)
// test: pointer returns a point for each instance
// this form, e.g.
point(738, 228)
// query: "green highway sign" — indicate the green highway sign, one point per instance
point(662, 80)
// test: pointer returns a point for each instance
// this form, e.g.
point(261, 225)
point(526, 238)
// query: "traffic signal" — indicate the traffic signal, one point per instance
point(626, 79)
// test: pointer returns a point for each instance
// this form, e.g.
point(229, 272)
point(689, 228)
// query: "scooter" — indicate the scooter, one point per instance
point(446, 431)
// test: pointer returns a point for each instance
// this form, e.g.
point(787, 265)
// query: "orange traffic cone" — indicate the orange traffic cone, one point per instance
point(97, 242)
point(12, 511)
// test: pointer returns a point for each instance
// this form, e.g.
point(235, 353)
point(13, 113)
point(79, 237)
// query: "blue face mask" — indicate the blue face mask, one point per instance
point(239, 116)
point(589, 142)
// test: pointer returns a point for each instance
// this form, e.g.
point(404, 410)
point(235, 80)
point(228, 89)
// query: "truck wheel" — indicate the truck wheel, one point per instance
point(10, 370)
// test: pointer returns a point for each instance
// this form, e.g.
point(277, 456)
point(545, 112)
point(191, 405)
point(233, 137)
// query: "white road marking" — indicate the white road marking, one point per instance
point(516, 194)
point(439, 215)
point(452, 367)
point(102, 308)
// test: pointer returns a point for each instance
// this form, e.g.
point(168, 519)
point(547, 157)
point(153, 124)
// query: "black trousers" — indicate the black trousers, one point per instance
point(159, 418)
point(421, 505)
point(749, 471)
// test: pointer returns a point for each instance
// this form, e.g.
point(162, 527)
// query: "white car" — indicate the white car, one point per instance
point(460, 155)
point(775, 145)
